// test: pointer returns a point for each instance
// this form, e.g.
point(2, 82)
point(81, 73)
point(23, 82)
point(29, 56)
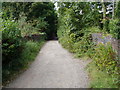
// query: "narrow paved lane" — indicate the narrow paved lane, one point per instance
point(54, 67)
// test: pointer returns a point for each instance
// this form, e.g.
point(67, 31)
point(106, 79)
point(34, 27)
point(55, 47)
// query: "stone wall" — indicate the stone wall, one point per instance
point(101, 38)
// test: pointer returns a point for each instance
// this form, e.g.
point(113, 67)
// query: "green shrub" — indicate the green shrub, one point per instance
point(16, 53)
point(100, 79)
point(28, 54)
point(11, 41)
point(12, 45)
point(94, 29)
point(106, 59)
point(106, 25)
point(85, 46)
point(30, 28)
point(117, 10)
point(81, 45)
point(66, 43)
point(114, 27)
point(104, 69)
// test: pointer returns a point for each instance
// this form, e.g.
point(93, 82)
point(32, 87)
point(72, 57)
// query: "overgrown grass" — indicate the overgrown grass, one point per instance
point(100, 79)
point(30, 51)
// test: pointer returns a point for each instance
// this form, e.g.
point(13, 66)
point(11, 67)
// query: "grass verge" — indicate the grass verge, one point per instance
point(19, 65)
point(100, 79)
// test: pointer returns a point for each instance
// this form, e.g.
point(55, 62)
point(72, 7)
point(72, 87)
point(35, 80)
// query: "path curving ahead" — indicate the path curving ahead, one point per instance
point(54, 67)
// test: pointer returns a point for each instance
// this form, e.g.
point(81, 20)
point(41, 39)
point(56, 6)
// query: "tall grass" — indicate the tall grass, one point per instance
point(100, 79)
point(29, 53)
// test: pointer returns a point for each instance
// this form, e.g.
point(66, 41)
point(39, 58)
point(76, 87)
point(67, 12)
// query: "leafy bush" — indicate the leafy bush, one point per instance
point(81, 46)
point(114, 27)
point(30, 28)
point(74, 33)
point(75, 29)
point(41, 15)
point(11, 41)
point(12, 45)
point(100, 79)
point(84, 47)
point(104, 69)
point(18, 23)
point(28, 54)
point(106, 59)
point(117, 11)
point(67, 43)
point(16, 53)
point(105, 25)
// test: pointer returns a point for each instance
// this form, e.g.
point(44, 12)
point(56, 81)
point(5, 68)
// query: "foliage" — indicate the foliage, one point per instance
point(11, 44)
point(14, 9)
point(74, 31)
point(105, 57)
point(17, 65)
point(41, 24)
point(44, 11)
point(11, 39)
point(76, 23)
point(114, 27)
point(100, 79)
point(39, 14)
point(117, 11)
point(30, 28)
point(72, 37)
point(16, 53)
point(105, 25)
point(32, 19)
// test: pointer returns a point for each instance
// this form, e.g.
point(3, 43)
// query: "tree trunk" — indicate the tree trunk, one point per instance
point(113, 9)
point(104, 9)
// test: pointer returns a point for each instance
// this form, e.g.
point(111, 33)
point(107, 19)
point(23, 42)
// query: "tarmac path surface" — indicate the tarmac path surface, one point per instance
point(54, 67)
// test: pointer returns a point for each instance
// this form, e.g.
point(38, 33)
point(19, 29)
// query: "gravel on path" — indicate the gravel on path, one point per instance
point(54, 67)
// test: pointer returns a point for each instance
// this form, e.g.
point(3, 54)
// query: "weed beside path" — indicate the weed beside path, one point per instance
point(27, 56)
